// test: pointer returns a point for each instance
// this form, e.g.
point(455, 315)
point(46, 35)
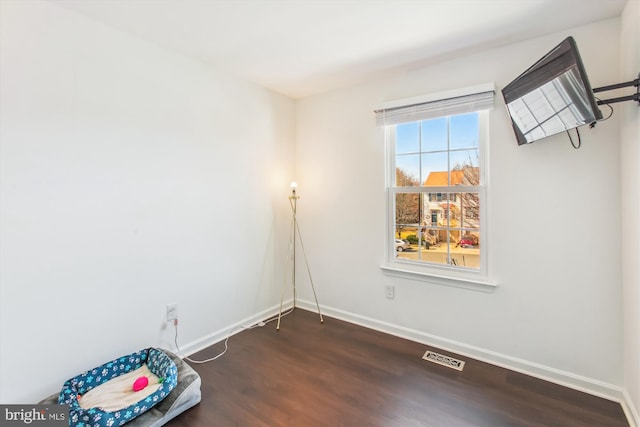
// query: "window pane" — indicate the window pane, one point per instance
point(407, 213)
point(436, 208)
point(434, 170)
point(407, 138)
point(466, 251)
point(466, 157)
point(465, 169)
point(464, 131)
point(434, 134)
point(431, 237)
point(434, 249)
point(432, 210)
point(408, 170)
point(469, 205)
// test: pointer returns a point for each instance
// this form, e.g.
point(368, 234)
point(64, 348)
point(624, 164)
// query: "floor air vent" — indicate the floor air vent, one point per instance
point(443, 360)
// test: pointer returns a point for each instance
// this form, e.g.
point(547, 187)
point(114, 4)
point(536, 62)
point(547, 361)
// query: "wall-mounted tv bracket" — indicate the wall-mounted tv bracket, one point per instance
point(634, 97)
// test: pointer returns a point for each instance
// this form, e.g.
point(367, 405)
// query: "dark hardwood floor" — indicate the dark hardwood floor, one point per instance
point(338, 374)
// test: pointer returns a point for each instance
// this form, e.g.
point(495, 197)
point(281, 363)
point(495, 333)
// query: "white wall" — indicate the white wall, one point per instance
point(131, 177)
point(630, 173)
point(553, 249)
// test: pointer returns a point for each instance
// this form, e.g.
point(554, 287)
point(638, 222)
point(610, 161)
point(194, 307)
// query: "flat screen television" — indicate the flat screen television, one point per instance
point(552, 96)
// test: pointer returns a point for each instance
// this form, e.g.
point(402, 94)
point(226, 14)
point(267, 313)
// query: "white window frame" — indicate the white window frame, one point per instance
point(475, 279)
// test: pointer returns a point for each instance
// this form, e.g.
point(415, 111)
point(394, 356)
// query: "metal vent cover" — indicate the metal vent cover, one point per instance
point(443, 360)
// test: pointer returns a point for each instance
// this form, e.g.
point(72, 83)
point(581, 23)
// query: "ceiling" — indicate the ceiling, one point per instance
point(304, 47)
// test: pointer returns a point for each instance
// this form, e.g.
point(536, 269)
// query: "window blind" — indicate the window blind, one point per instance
point(433, 109)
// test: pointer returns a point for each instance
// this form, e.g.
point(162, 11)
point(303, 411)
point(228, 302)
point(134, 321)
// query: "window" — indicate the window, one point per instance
point(437, 191)
point(436, 187)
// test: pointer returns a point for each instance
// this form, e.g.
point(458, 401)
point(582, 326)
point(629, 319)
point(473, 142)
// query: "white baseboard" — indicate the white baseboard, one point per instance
point(566, 379)
point(630, 410)
point(221, 334)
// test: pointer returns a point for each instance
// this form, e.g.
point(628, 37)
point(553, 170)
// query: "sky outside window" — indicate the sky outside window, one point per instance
point(432, 139)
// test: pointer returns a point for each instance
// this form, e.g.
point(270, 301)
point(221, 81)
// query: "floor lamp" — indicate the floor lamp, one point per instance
point(295, 230)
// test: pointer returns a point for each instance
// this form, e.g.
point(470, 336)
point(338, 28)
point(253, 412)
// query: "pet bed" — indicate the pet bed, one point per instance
point(160, 402)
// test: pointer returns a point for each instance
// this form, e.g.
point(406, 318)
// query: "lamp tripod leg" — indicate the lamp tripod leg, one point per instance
point(284, 282)
point(313, 288)
point(280, 312)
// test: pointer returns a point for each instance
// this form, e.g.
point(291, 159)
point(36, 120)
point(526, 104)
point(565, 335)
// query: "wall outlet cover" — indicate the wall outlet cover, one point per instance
point(172, 312)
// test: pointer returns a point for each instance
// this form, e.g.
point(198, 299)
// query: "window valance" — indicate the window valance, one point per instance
point(432, 106)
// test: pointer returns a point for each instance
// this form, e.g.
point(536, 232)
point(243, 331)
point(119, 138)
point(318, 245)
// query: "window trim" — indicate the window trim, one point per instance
point(433, 273)
point(477, 283)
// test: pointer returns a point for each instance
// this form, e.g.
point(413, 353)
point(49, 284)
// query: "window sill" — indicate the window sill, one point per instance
point(472, 283)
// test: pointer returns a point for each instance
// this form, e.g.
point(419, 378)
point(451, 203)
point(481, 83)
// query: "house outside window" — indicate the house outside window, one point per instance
point(436, 189)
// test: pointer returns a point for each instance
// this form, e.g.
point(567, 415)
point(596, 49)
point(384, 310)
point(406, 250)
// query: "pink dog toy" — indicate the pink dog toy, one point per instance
point(140, 383)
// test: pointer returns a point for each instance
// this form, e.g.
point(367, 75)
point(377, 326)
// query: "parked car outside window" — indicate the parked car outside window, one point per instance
point(401, 245)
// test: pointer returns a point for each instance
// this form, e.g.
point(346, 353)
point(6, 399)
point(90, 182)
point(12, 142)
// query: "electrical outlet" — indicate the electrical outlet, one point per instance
point(172, 312)
point(389, 291)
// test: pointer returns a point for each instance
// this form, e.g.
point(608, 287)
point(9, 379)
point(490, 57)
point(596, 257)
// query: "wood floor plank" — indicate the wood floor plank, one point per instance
point(339, 374)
